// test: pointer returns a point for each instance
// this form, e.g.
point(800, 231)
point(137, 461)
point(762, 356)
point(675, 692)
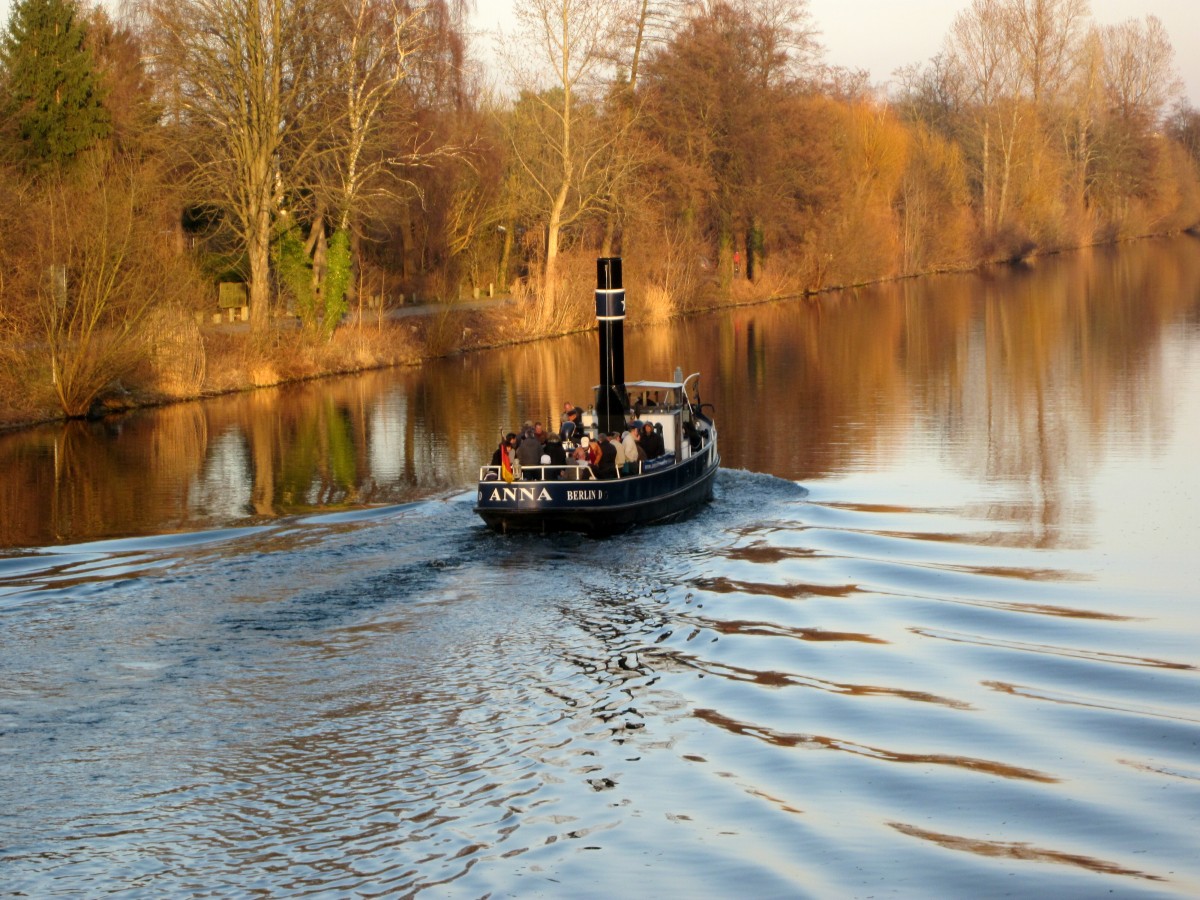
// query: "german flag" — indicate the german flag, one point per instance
point(506, 469)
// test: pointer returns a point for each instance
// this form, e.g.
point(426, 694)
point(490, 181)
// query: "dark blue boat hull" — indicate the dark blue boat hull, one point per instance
point(599, 507)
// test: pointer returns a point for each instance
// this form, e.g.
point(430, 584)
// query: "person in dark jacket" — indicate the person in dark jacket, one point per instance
point(511, 440)
point(652, 442)
point(554, 449)
point(529, 449)
point(607, 467)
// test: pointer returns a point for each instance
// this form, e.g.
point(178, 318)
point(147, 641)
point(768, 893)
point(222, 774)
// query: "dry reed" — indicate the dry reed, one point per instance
point(175, 350)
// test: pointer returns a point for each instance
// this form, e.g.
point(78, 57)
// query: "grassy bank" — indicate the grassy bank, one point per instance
point(179, 360)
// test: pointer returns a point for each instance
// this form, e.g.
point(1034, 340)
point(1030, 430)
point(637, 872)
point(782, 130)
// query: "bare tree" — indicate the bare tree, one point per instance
point(930, 93)
point(785, 41)
point(641, 24)
point(1084, 105)
point(235, 76)
point(1138, 69)
point(364, 57)
point(368, 55)
point(572, 40)
point(981, 49)
point(1046, 36)
point(1184, 127)
point(98, 280)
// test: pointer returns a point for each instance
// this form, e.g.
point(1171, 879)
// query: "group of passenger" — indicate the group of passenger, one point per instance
point(534, 446)
point(579, 456)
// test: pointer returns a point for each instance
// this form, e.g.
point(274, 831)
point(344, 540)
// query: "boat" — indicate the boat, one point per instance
point(573, 496)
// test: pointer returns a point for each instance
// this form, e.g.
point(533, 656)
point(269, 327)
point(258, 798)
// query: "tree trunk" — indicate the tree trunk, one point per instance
point(550, 288)
point(318, 249)
point(405, 240)
point(1008, 152)
point(754, 250)
point(258, 245)
point(352, 297)
point(987, 177)
point(505, 253)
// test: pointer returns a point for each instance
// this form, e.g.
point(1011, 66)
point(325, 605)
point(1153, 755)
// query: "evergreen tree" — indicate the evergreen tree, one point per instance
point(52, 95)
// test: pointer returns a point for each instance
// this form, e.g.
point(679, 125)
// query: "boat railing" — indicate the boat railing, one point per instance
point(570, 471)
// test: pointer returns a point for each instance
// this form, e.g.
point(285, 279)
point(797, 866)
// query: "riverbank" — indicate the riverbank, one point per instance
point(218, 359)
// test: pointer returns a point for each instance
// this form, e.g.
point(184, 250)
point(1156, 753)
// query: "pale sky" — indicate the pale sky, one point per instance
point(883, 35)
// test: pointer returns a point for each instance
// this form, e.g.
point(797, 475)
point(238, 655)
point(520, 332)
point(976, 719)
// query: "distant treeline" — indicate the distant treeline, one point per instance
point(340, 157)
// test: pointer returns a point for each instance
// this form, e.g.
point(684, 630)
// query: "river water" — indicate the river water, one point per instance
point(938, 633)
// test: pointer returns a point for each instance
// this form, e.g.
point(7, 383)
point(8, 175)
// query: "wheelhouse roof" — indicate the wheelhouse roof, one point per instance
point(652, 385)
point(655, 385)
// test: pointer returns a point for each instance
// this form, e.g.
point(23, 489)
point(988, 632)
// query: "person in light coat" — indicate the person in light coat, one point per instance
point(615, 440)
point(629, 448)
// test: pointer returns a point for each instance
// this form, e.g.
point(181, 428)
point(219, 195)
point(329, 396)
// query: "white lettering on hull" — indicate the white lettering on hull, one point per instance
point(517, 494)
point(585, 495)
point(514, 494)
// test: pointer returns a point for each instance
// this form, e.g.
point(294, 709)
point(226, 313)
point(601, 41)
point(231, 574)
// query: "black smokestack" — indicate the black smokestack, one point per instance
point(611, 400)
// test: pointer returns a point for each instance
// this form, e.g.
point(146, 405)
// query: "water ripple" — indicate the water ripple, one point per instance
point(403, 703)
point(1020, 851)
point(1048, 650)
point(822, 742)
